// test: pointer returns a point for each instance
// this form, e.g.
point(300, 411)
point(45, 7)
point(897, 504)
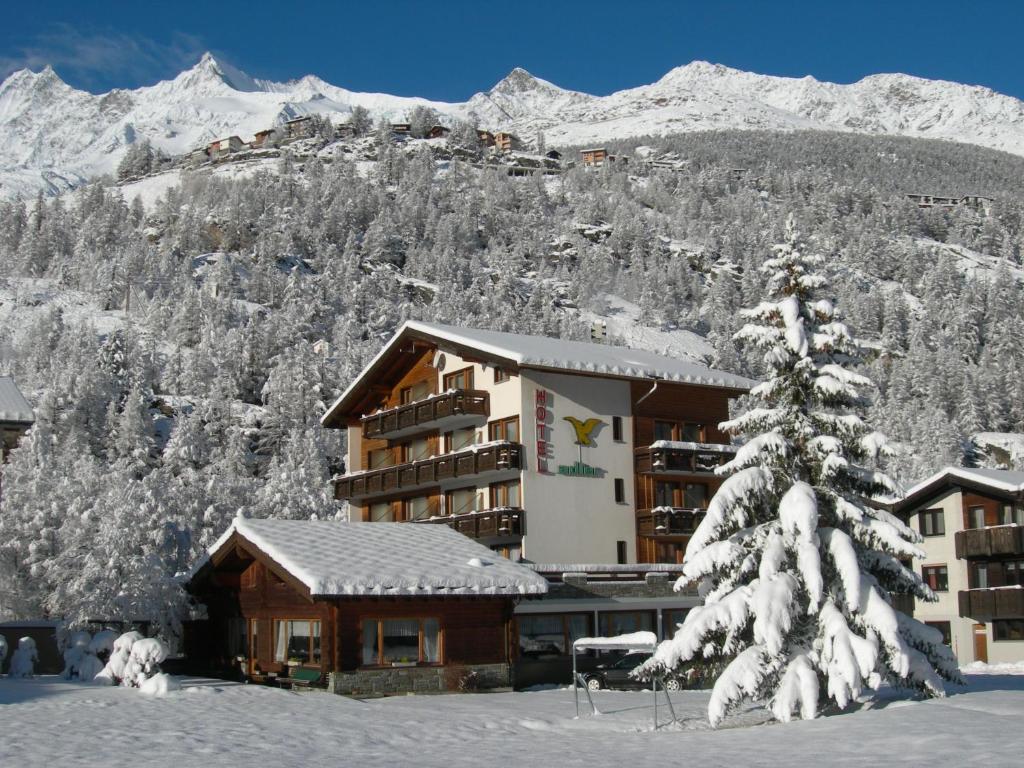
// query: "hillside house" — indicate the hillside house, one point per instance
point(264, 138)
point(299, 127)
point(505, 142)
point(366, 608)
point(225, 146)
point(198, 156)
point(933, 201)
point(553, 154)
point(485, 137)
point(401, 129)
point(594, 158)
point(16, 418)
point(438, 132)
point(972, 521)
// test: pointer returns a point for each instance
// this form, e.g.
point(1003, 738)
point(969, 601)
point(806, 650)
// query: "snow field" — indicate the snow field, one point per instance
point(49, 722)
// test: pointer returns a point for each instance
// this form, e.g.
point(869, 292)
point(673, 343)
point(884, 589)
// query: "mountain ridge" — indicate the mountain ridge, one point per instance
point(54, 137)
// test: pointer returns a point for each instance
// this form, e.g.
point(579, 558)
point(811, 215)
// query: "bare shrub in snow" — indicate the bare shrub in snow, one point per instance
point(23, 662)
point(795, 569)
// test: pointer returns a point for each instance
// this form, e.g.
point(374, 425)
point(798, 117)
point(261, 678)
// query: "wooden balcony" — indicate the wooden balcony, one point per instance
point(452, 409)
point(682, 458)
point(988, 604)
point(995, 541)
point(490, 457)
point(507, 522)
point(668, 521)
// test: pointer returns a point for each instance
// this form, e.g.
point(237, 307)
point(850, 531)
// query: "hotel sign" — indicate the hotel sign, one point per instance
point(540, 420)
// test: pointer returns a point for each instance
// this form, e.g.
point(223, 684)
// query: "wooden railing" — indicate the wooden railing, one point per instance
point(489, 457)
point(989, 542)
point(487, 523)
point(668, 521)
point(695, 461)
point(988, 604)
point(458, 402)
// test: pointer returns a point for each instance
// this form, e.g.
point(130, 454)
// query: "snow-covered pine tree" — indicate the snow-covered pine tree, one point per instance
point(796, 570)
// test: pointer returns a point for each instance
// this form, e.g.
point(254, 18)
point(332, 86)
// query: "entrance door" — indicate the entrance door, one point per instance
point(980, 643)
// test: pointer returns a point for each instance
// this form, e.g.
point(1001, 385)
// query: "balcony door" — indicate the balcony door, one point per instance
point(980, 643)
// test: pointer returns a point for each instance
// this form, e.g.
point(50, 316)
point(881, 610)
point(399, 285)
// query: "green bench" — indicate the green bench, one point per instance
point(301, 676)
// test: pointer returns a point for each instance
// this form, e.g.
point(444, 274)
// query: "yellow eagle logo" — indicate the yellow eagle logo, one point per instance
point(583, 429)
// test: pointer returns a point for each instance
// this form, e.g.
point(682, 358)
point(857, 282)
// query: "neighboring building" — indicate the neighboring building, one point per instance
point(365, 608)
point(16, 417)
point(550, 450)
point(199, 156)
point(485, 137)
point(224, 146)
point(553, 154)
point(594, 158)
point(978, 203)
point(506, 142)
point(438, 132)
point(972, 521)
point(299, 127)
point(401, 129)
point(263, 138)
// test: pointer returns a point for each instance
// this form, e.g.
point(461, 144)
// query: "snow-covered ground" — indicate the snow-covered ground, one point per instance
point(49, 722)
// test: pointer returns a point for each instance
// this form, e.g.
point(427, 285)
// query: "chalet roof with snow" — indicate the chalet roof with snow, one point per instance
point(14, 408)
point(332, 559)
point(1001, 482)
point(514, 351)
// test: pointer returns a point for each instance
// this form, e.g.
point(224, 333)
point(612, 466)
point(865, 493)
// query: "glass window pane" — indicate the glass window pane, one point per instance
point(370, 642)
point(512, 431)
point(663, 430)
point(664, 494)
point(462, 500)
point(976, 517)
point(691, 433)
point(541, 637)
point(431, 645)
point(381, 513)
point(695, 496)
point(462, 438)
point(401, 641)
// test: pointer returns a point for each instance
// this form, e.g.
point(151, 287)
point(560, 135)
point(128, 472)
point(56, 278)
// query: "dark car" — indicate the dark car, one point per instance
point(615, 674)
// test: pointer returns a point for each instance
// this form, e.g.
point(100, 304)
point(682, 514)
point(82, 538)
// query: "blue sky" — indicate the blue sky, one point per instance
point(449, 49)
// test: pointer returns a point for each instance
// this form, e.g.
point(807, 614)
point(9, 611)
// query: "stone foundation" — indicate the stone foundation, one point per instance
point(380, 682)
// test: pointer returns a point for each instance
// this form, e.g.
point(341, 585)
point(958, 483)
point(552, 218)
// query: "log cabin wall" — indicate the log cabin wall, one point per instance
point(678, 402)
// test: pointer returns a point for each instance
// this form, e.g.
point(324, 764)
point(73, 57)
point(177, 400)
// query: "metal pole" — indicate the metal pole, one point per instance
point(655, 690)
point(575, 682)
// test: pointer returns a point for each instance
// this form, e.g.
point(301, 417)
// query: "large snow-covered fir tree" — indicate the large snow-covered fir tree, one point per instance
point(795, 568)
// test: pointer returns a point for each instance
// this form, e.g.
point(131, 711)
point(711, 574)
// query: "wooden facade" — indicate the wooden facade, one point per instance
point(248, 595)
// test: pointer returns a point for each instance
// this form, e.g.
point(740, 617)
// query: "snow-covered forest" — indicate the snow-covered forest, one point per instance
point(168, 346)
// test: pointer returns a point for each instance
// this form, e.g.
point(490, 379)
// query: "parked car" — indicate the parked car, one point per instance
point(615, 674)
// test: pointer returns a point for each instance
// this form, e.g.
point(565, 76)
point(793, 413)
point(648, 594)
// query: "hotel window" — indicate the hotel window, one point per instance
point(416, 450)
point(932, 523)
point(976, 517)
point(671, 618)
point(663, 430)
point(501, 375)
point(297, 641)
point(669, 552)
point(620, 491)
point(691, 433)
point(944, 628)
point(416, 508)
point(665, 494)
point(695, 496)
point(505, 494)
point(414, 392)
point(459, 380)
point(611, 623)
point(978, 576)
point(401, 642)
point(936, 577)
point(1013, 573)
point(504, 429)
point(1008, 629)
point(548, 636)
point(617, 429)
point(379, 458)
point(461, 500)
point(620, 553)
point(1011, 515)
point(382, 513)
point(458, 439)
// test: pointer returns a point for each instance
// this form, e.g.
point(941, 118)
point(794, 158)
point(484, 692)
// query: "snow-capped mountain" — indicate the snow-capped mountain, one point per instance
point(53, 136)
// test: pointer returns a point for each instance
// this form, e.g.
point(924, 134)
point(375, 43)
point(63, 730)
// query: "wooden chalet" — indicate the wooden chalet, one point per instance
point(16, 418)
point(263, 138)
point(224, 146)
point(357, 607)
point(438, 132)
point(485, 137)
point(299, 127)
point(506, 142)
point(594, 157)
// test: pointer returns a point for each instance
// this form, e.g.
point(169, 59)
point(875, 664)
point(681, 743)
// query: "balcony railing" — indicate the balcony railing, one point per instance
point(489, 457)
point(987, 604)
point(684, 458)
point(485, 524)
point(456, 406)
point(668, 521)
point(995, 541)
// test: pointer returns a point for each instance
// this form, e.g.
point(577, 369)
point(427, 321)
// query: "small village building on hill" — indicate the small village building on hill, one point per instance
point(485, 137)
point(594, 157)
point(438, 132)
point(362, 608)
point(972, 521)
point(545, 449)
point(505, 142)
point(263, 138)
point(299, 127)
point(225, 146)
point(16, 418)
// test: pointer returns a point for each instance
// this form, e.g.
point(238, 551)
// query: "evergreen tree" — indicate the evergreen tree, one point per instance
point(795, 568)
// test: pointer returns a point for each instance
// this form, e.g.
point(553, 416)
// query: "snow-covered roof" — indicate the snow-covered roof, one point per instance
point(13, 405)
point(1004, 480)
point(542, 352)
point(634, 641)
point(336, 558)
